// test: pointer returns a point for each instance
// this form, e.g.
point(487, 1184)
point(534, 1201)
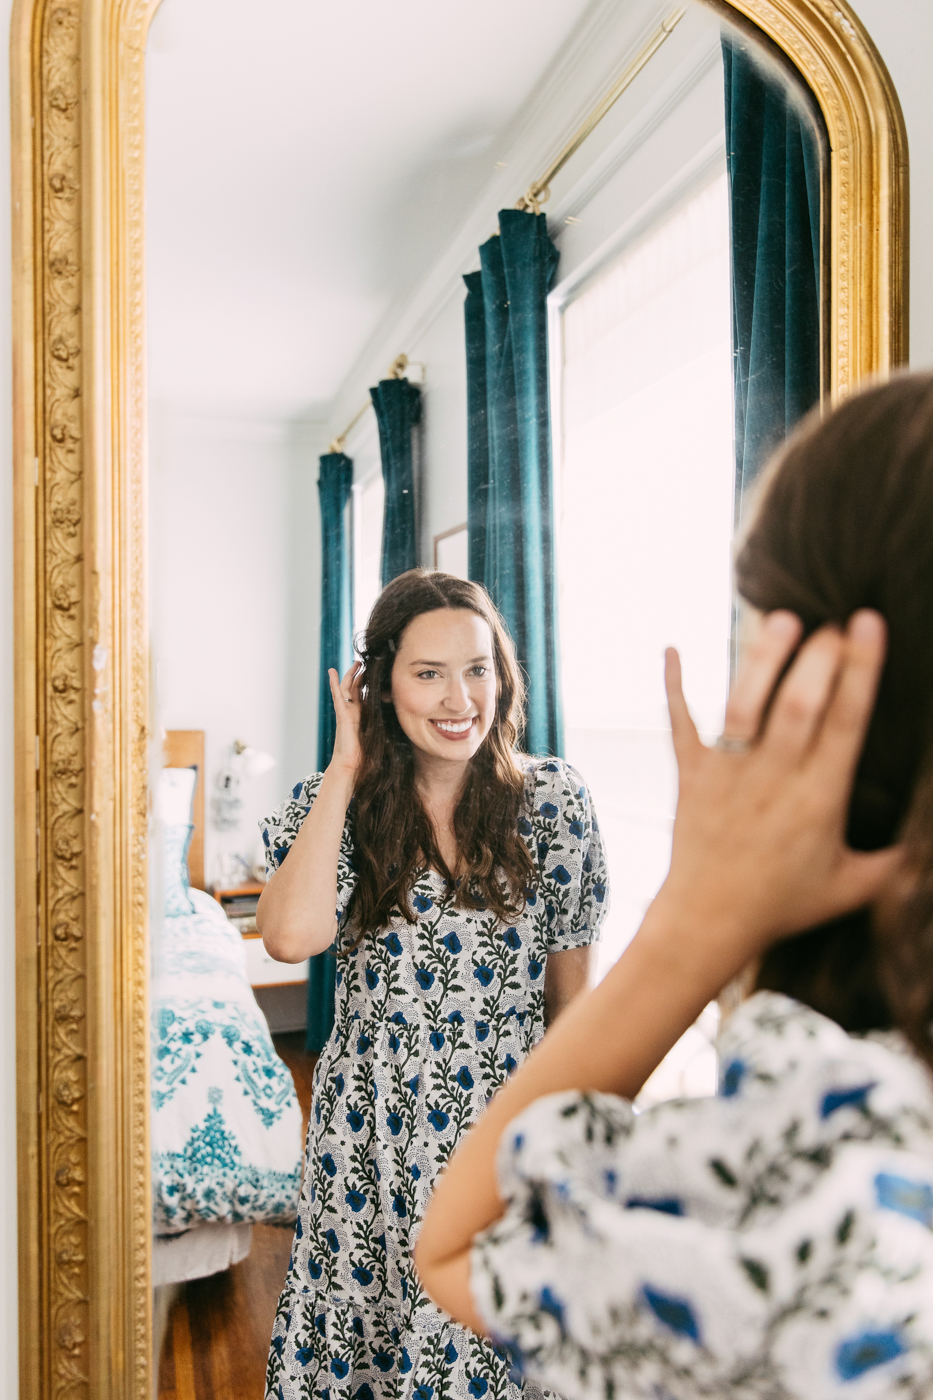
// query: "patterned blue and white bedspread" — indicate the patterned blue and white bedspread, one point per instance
point(226, 1125)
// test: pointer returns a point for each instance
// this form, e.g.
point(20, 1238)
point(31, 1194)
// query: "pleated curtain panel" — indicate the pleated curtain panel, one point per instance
point(510, 510)
point(334, 486)
point(398, 408)
point(774, 167)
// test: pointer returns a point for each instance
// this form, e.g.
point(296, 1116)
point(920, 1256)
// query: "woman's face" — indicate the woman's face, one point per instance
point(444, 683)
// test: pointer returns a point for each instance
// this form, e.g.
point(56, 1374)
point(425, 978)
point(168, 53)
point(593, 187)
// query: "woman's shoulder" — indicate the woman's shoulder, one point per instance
point(553, 778)
point(281, 827)
point(773, 1043)
point(305, 791)
point(796, 1090)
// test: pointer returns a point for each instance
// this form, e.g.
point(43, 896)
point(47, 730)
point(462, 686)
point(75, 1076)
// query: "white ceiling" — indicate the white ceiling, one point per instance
point(306, 162)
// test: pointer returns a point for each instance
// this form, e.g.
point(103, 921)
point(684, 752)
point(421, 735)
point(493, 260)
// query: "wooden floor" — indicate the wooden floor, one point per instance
point(217, 1335)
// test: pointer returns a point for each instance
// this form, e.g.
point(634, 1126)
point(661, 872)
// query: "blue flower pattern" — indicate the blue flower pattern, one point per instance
point(772, 1243)
point(431, 1018)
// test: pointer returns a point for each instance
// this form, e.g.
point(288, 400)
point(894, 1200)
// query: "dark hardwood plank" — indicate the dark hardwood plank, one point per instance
point(180, 1334)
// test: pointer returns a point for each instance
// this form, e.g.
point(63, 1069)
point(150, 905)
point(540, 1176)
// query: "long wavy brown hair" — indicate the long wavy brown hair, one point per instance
point(845, 521)
point(393, 834)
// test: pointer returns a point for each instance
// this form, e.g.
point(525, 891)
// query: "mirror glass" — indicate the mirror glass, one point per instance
point(320, 179)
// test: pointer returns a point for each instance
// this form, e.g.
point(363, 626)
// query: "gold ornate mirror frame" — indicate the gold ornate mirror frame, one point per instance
point(81, 628)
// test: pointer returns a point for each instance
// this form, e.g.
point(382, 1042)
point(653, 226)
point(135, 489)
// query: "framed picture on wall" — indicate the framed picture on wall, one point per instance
point(450, 552)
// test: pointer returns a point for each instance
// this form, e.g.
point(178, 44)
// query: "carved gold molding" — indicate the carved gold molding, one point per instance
point(868, 215)
point(82, 683)
point(81, 631)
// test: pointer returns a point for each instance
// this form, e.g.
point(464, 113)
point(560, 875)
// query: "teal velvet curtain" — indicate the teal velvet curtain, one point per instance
point(510, 509)
point(398, 409)
point(773, 150)
point(334, 486)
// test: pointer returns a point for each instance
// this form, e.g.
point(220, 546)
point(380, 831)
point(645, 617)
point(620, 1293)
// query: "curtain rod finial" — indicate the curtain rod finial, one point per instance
point(533, 198)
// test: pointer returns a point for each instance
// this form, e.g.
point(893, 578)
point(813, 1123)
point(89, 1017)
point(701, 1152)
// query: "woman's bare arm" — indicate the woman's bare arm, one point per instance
point(297, 909)
point(759, 853)
point(566, 975)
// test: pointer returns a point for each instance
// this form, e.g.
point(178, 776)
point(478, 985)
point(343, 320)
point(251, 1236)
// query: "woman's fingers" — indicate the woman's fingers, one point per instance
point(350, 683)
point(345, 692)
point(802, 700)
point(336, 693)
point(764, 659)
point(849, 712)
point(683, 730)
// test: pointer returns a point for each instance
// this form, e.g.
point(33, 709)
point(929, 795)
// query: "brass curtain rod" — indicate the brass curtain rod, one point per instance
point(396, 370)
point(540, 191)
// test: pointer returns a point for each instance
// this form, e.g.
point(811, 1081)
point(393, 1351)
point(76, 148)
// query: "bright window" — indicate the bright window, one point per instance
point(645, 502)
point(368, 505)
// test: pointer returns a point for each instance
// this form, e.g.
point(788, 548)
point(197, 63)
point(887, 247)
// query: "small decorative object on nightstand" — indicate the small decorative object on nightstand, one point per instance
point(239, 904)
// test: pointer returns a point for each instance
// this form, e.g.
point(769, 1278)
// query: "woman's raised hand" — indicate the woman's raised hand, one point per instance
point(759, 848)
point(346, 695)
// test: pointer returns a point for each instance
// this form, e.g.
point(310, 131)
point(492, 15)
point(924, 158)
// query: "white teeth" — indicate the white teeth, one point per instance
point(451, 728)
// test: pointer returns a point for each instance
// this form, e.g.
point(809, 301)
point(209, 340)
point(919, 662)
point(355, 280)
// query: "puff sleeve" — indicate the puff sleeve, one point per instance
point(567, 847)
point(280, 829)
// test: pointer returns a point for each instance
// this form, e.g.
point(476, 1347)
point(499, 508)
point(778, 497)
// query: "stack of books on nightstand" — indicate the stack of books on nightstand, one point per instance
point(239, 905)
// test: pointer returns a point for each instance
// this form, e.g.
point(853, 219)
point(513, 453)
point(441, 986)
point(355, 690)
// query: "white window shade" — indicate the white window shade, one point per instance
point(368, 508)
point(645, 496)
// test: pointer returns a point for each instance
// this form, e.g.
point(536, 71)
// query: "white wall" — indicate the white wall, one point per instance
point(442, 348)
point(902, 31)
point(234, 559)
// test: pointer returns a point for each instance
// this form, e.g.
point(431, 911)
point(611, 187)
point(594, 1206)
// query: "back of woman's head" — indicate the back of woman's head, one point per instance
point(392, 832)
point(844, 520)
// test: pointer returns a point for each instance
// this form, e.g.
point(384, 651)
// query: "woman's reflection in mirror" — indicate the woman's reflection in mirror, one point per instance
point(469, 884)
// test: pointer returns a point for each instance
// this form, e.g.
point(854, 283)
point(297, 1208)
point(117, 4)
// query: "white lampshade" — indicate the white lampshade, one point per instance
point(255, 762)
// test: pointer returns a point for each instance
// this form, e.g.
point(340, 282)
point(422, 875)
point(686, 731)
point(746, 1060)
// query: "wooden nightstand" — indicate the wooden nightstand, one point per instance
point(239, 904)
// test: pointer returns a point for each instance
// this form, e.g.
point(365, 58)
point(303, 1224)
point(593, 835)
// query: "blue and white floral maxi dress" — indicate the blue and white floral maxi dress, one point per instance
point(431, 1018)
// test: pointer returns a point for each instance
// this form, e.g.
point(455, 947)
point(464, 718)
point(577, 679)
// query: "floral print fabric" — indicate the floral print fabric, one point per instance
point(225, 1120)
point(774, 1243)
point(431, 1018)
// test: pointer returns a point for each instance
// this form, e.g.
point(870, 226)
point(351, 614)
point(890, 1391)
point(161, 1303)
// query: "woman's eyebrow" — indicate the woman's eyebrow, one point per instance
point(472, 662)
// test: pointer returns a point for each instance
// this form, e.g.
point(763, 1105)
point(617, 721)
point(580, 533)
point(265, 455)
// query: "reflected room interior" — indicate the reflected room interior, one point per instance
point(319, 189)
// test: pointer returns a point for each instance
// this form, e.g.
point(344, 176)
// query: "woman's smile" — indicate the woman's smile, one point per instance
point(454, 728)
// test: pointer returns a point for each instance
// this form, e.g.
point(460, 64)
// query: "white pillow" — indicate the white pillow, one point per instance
point(174, 795)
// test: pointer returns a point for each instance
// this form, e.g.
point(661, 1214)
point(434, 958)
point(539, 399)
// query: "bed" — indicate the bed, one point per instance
point(225, 1120)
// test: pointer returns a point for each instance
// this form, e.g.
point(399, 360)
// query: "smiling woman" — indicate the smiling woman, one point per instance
point(469, 885)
